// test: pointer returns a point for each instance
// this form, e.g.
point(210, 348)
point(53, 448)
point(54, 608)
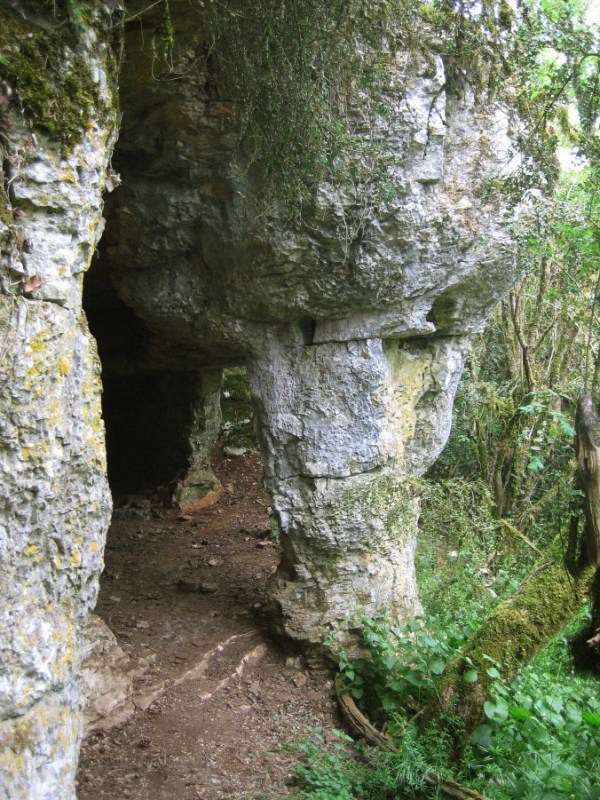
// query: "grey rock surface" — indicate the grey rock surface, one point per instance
point(354, 321)
point(55, 505)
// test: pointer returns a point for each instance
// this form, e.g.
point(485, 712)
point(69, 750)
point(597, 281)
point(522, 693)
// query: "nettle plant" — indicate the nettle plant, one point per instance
point(540, 736)
point(401, 671)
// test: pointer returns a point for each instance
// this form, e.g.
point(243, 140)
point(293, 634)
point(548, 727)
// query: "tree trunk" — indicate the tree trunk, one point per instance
point(510, 637)
point(594, 642)
point(587, 425)
point(549, 597)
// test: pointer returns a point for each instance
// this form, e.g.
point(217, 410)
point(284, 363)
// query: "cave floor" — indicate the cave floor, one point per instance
point(220, 701)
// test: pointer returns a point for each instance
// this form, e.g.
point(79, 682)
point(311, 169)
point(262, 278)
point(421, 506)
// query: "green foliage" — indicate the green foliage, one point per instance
point(236, 409)
point(560, 71)
point(514, 412)
point(330, 773)
point(541, 738)
point(345, 772)
point(554, 53)
point(402, 669)
point(466, 558)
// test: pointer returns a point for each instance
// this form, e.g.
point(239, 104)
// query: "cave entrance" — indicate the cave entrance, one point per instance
point(161, 423)
point(183, 598)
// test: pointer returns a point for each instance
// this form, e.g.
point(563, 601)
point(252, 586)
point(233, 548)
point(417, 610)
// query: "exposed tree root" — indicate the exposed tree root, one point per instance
point(361, 726)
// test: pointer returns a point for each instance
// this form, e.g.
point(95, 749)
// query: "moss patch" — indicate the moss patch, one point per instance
point(43, 58)
point(511, 637)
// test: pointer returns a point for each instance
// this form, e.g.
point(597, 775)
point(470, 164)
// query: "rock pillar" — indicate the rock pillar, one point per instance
point(342, 429)
point(200, 487)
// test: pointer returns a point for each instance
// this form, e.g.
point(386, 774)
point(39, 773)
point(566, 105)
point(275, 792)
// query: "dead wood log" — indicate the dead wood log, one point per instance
point(361, 726)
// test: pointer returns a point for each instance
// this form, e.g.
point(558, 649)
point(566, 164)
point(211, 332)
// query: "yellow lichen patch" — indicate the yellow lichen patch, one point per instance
point(69, 176)
point(30, 550)
point(410, 377)
point(63, 366)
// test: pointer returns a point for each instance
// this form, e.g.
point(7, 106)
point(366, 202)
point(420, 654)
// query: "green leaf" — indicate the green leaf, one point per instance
point(471, 676)
point(518, 712)
point(482, 736)
point(591, 717)
point(437, 666)
point(492, 672)
point(415, 678)
point(389, 662)
point(496, 711)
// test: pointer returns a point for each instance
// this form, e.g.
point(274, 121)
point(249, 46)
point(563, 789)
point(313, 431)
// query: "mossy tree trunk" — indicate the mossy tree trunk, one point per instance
point(509, 639)
point(545, 602)
point(587, 425)
point(594, 642)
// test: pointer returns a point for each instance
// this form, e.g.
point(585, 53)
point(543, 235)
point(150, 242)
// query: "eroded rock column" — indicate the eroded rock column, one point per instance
point(200, 487)
point(342, 429)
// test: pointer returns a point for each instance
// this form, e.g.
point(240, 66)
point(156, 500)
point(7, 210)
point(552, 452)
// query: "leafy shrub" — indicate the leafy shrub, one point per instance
point(466, 558)
point(541, 738)
point(402, 668)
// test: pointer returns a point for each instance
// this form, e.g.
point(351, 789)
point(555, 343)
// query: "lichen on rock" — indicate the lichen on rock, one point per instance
point(55, 507)
point(48, 60)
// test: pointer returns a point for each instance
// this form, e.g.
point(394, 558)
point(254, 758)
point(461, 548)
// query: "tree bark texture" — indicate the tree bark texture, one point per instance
point(587, 425)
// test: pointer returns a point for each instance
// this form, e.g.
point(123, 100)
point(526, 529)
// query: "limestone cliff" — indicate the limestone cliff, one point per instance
point(55, 504)
point(353, 318)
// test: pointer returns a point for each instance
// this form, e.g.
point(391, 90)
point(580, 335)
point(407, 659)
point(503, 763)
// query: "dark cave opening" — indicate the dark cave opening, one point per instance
point(148, 412)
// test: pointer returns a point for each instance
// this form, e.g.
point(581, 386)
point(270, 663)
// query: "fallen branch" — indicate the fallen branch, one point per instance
point(516, 532)
point(361, 726)
point(531, 575)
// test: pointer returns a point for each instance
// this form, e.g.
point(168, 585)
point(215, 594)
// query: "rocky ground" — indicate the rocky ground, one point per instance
point(220, 703)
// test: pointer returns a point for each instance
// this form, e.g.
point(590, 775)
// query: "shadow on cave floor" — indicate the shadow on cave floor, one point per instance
point(218, 699)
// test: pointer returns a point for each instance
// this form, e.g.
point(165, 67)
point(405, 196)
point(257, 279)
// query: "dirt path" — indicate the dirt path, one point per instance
point(220, 698)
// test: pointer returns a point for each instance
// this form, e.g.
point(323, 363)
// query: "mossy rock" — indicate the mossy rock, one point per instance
point(43, 59)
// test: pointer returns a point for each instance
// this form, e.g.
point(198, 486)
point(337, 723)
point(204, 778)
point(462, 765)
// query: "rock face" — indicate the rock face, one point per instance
point(353, 322)
point(107, 675)
point(55, 504)
point(342, 433)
